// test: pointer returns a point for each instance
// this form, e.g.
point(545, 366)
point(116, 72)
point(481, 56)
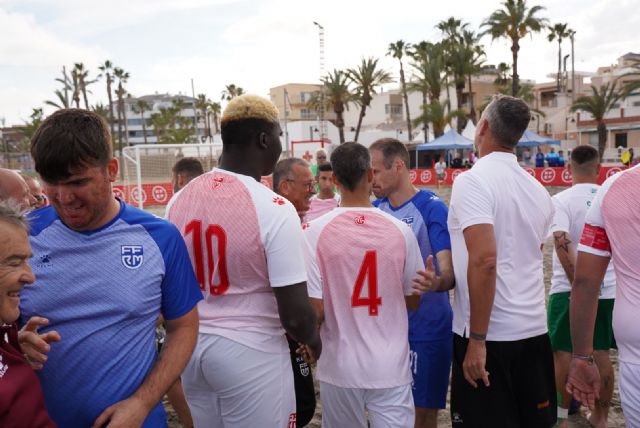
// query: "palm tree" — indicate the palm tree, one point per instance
point(514, 22)
point(428, 74)
point(451, 30)
point(215, 109)
point(367, 77)
point(337, 97)
point(598, 105)
point(62, 95)
point(474, 59)
point(502, 74)
point(436, 114)
point(82, 75)
point(122, 77)
point(634, 83)
point(35, 119)
point(231, 91)
point(102, 111)
point(398, 50)
point(161, 122)
point(140, 107)
point(202, 104)
point(75, 84)
point(558, 32)
point(107, 69)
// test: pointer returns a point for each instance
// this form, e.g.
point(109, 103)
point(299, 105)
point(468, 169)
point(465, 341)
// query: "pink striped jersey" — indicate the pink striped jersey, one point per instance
point(319, 207)
point(243, 239)
point(612, 229)
point(361, 262)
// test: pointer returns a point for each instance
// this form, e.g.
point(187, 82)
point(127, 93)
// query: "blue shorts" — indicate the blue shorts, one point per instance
point(430, 367)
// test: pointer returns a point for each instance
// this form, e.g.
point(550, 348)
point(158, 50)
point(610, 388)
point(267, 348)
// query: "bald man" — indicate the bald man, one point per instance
point(13, 187)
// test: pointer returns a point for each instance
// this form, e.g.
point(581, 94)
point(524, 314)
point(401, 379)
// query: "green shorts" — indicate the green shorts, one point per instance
point(560, 332)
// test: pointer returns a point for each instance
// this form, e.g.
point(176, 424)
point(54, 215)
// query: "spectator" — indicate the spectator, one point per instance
point(14, 188)
point(526, 157)
point(561, 160)
point(441, 171)
point(327, 198)
point(36, 191)
point(321, 157)
point(185, 170)
point(552, 158)
point(539, 158)
point(292, 179)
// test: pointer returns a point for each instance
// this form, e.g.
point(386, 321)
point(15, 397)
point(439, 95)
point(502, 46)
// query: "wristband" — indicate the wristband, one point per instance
point(476, 336)
point(588, 358)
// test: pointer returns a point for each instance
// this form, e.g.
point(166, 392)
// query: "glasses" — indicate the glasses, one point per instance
point(40, 198)
point(308, 185)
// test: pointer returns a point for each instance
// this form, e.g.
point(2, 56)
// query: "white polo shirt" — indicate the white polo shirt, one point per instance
point(499, 192)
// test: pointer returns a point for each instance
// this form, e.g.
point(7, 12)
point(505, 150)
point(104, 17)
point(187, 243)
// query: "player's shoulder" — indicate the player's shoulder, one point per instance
point(41, 219)
point(158, 228)
point(633, 172)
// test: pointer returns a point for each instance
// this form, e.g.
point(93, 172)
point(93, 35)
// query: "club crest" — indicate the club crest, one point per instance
point(132, 256)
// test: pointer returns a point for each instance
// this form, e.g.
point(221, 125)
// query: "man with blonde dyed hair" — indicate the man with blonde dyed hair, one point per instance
point(245, 243)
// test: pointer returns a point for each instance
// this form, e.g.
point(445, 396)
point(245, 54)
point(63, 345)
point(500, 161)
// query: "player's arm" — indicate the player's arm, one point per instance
point(481, 277)
point(566, 251)
point(430, 280)
point(318, 307)
point(412, 302)
point(297, 316)
point(182, 333)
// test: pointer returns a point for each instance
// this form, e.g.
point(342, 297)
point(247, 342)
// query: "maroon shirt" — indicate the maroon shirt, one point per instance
point(21, 399)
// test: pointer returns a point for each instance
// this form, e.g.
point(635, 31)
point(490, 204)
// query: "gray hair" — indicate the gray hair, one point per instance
point(11, 214)
point(508, 118)
point(284, 170)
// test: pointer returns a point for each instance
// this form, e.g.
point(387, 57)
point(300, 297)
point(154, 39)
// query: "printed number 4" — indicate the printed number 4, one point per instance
point(368, 271)
point(195, 228)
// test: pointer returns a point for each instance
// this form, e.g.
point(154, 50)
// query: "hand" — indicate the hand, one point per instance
point(474, 363)
point(583, 382)
point(307, 354)
point(129, 413)
point(35, 345)
point(428, 278)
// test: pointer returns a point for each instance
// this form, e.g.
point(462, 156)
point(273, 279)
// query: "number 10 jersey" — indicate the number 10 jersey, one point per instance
point(242, 239)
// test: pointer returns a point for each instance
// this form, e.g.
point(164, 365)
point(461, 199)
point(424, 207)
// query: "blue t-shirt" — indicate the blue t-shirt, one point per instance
point(427, 216)
point(103, 291)
point(539, 159)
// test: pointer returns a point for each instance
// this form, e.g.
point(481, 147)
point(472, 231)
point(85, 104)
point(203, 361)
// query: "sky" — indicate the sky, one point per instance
point(259, 44)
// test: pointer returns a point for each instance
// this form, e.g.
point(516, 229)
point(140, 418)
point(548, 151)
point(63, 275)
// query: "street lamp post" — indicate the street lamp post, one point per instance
point(321, 116)
point(573, 68)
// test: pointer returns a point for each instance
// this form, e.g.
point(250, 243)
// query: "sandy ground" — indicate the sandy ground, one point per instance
point(616, 419)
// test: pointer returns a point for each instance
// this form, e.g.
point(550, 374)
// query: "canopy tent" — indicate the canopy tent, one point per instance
point(450, 140)
point(531, 139)
point(469, 130)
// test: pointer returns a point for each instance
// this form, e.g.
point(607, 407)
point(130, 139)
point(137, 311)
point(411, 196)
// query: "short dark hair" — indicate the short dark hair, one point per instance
point(391, 149)
point(70, 139)
point(584, 158)
point(325, 167)
point(283, 168)
point(242, 131)
point(350, 162)
point(188, 167)
point(508, 118)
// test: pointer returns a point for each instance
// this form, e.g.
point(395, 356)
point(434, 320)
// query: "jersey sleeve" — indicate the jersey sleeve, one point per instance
point(413, 261)
point(561, 219)
point(283, 248)
point(314, 277)
point(472, 202)
point(180, 289)
point(594, 239)
point(436, 221)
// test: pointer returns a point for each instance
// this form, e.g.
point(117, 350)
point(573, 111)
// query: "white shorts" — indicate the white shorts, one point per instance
point(630, 393)
point(231, 385)
point(346, 407)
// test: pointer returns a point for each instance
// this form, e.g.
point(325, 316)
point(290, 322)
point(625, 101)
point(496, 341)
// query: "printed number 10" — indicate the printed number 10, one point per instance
point(195, 228)
point(368, 271)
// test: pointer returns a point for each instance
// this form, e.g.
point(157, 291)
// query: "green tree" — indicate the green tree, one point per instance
point(231, 91)
point(559, 32)
point(30, 126)
point(214, 110)
point(140, 107)
point(598, 105)
point(102, 111)
point(428, 74)
point(107, 71)
point(123, 77)
point(63, 101)
point(436, 114)
point(82, 76)
point(398, 50)
point(337, 96)
point(202, 105)
point(502, 74)
point(630, 80)
point(474, 57)
point(367, 77)
point(513, 22)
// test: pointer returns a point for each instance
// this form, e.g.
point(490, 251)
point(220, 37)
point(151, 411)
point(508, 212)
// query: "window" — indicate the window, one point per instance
point(636, 103)
point(393, 109)
point(616, 105)
point(305, 97)
point(621, 139)
point(307, 113)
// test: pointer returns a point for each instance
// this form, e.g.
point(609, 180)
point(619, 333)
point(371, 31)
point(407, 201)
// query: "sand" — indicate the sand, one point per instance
point(616, 420)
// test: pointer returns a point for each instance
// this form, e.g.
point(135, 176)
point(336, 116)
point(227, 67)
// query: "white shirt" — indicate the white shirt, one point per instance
point(499, 192)
point(571, 208)
point(612, 229)
point(243, 239)
point(440, 167)
point(361, 263)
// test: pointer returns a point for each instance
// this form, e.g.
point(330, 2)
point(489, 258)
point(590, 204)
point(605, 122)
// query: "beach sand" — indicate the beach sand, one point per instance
point(616, 420)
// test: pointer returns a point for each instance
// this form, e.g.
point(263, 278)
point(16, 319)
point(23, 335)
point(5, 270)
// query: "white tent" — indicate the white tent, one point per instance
point(469, 131)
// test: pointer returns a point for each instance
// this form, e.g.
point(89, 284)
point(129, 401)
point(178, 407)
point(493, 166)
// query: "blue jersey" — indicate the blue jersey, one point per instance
point(103, 291)
point(427, 216)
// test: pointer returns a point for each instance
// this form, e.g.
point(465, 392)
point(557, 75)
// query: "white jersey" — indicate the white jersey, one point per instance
point(361, 263)
point(571, 208)
point(243, 239)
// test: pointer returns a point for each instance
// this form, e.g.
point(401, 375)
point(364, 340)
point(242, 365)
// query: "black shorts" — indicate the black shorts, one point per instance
point(522, 391)
point(303, 384)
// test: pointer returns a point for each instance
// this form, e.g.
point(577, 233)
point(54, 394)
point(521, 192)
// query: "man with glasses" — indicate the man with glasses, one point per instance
point(292, 179)
point(321, 158)
point(36, 191)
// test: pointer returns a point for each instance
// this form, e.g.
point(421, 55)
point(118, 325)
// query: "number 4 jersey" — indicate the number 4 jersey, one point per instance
point(361, 263)
point(243, 239)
